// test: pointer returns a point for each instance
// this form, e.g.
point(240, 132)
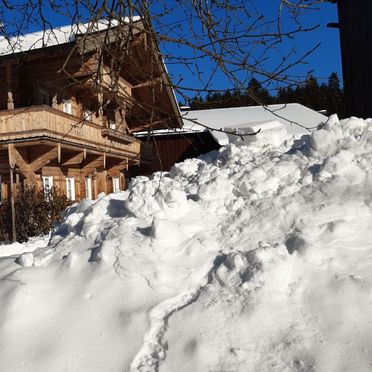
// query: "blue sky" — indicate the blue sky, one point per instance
point(321, 63)
point(328, 57)
point(325, 60)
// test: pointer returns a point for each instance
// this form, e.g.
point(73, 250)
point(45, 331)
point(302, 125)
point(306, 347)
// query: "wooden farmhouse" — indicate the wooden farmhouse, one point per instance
point(69, 105)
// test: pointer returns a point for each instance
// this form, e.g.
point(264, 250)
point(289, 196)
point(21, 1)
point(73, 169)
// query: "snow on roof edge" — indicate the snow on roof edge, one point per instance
point(289, 114)
point(51, 37)
point(267, 107)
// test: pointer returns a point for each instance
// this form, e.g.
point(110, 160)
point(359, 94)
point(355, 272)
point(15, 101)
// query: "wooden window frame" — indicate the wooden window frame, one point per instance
point(116, 184)
point(67, 102)
point(50, 178)
point(71, 190)
point(88, 188)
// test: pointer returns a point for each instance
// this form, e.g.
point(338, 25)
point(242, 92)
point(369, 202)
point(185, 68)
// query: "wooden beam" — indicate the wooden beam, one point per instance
point(113, 134)
point(16, 159)
point(72, 159)
point(139, 127)
point(59, 153)
point(44, 159)
point(148, 83)
point(11, 155)
point(117, 168)
point(93, 162)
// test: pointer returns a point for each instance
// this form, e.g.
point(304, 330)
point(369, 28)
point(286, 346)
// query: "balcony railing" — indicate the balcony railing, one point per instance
point(36, 122)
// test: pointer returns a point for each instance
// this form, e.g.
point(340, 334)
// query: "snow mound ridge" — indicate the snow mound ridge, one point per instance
point(247, 259)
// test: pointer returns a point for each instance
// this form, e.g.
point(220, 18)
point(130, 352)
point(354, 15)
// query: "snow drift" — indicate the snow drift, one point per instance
point(255, 258)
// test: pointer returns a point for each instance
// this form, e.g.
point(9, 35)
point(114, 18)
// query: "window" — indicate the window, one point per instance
point(116, 184)
point(47, 182)
point(70, 188)
point(47, 185)
point(67, 107)
point(87, 115)
point(88, 187)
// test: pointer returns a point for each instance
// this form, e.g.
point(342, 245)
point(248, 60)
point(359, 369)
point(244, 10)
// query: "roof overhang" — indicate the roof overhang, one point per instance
point(62, 39)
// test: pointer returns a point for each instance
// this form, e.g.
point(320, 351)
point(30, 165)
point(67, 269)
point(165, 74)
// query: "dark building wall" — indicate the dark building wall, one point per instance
point(355, 20)
point(168, 150)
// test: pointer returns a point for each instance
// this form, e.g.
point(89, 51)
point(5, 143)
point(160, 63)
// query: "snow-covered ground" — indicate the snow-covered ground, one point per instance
point(256, 258)
point(16, 249)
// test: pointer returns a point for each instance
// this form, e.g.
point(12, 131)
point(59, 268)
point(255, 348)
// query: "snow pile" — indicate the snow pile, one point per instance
point(250, 259)
point(15, 249)
point(271, 133)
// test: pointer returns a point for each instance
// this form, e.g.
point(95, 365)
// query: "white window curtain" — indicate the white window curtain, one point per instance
point(88, 115)
point(70, 188)
point(88, 188)
point(67, 107)
point(47, 182)
point(116, 184)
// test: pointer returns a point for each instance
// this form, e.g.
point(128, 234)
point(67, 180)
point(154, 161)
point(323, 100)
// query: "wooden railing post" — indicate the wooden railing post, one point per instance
point(12, 205)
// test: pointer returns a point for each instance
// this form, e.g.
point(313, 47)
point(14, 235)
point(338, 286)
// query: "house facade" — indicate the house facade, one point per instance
point(68, 110)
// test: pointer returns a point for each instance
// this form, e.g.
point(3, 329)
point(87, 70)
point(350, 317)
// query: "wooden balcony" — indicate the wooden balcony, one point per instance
point(114, 135)
point(46, 123)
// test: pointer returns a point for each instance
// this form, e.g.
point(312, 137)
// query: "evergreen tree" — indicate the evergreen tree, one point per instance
point(327, 96)
point(196, 103)
point(311, 94)
point(335, 97)
point(286, 95)
point(334, 83)
point(256, 94)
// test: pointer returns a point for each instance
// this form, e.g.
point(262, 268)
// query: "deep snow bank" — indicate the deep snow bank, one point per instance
point(257, 258)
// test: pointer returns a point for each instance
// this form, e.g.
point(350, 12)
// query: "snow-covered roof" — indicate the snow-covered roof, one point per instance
point(52, 37)
point(249, 118)
point(240, 117)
